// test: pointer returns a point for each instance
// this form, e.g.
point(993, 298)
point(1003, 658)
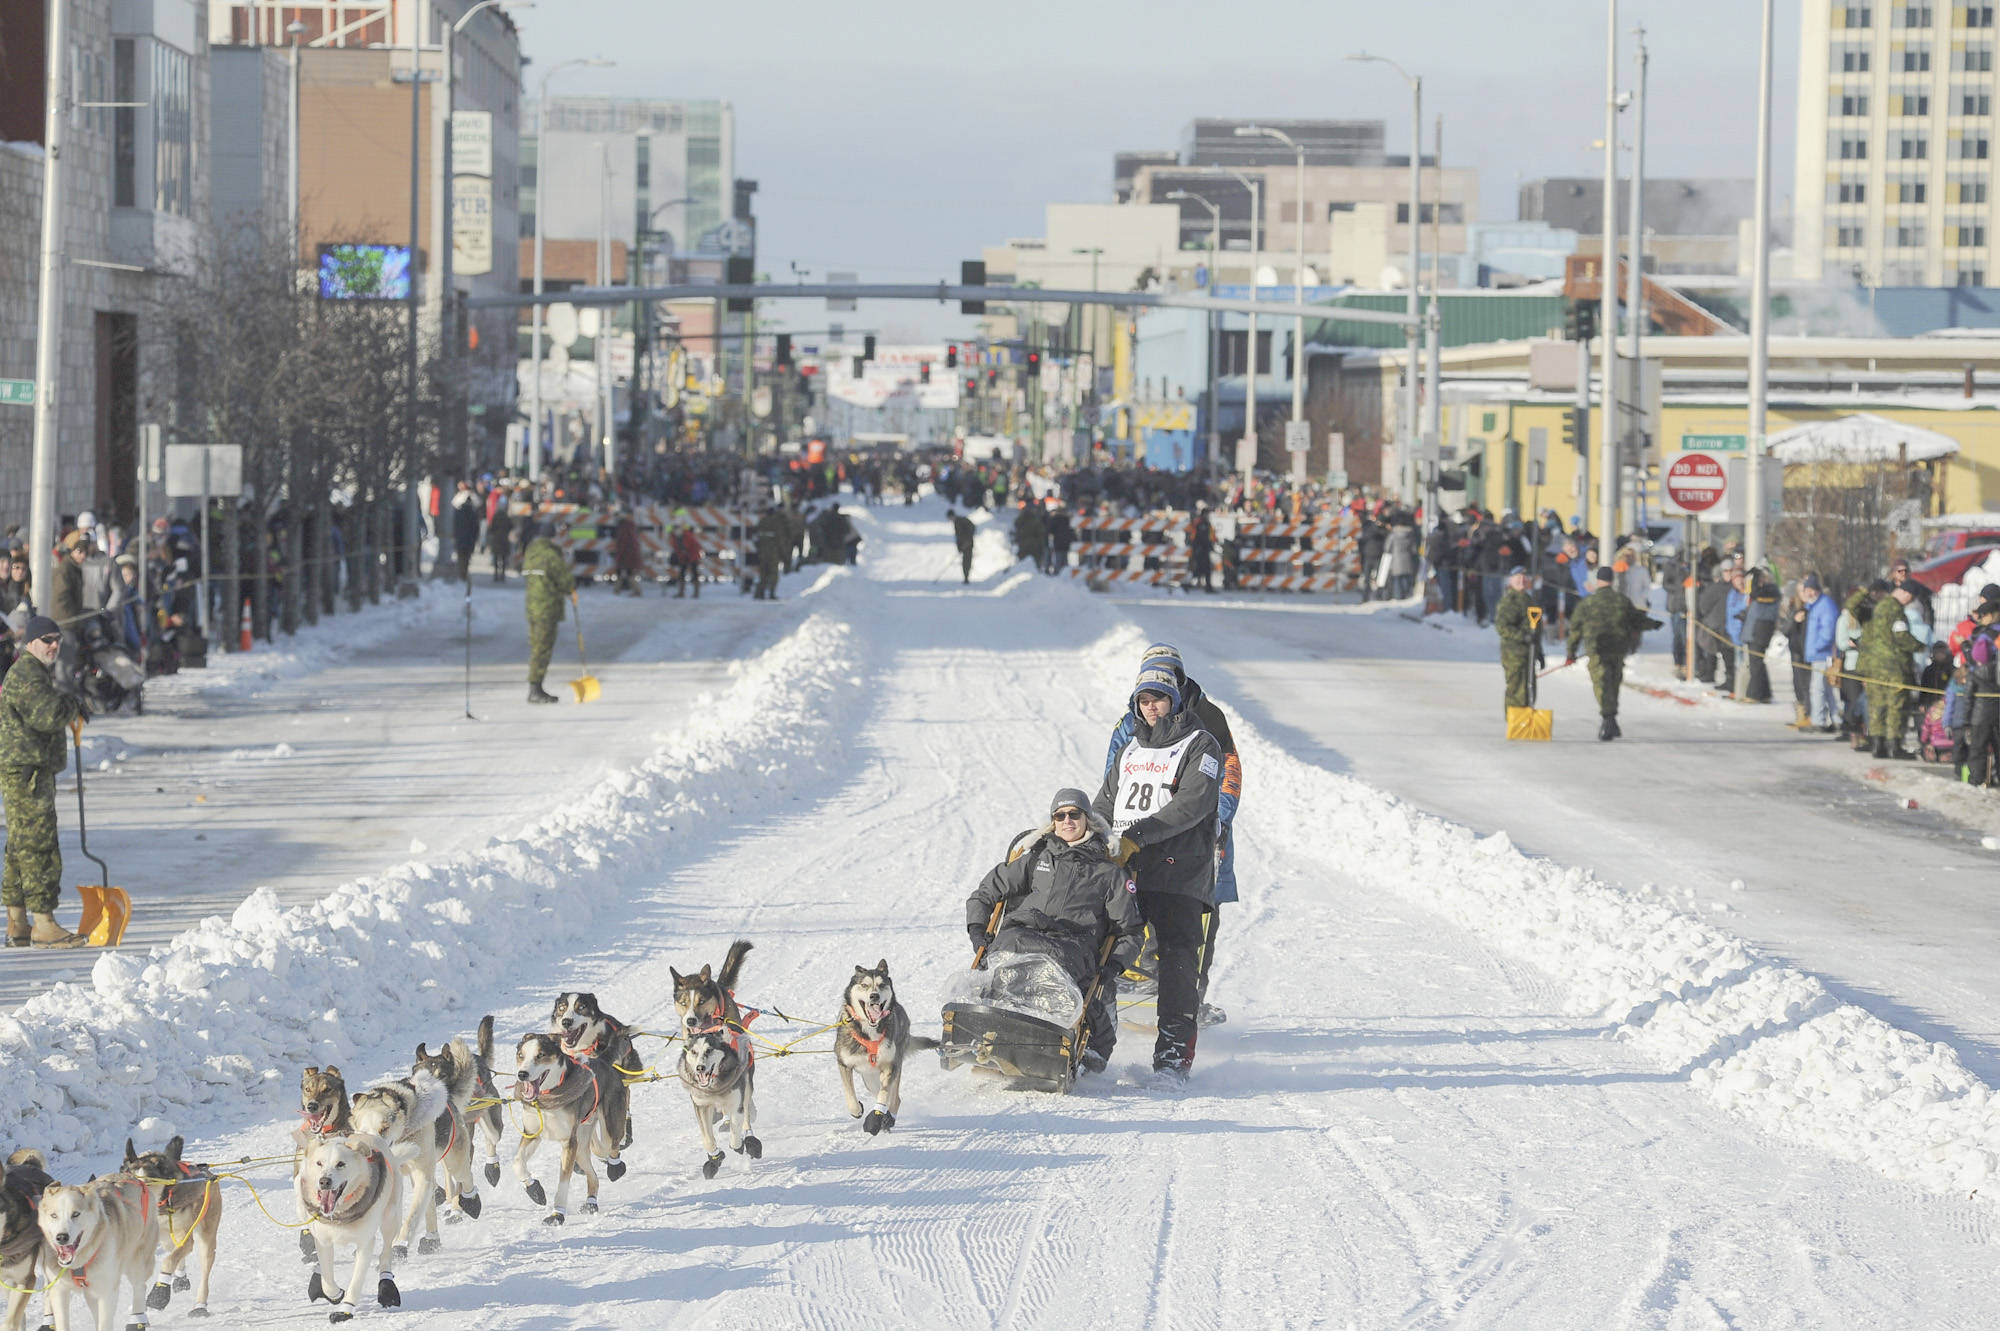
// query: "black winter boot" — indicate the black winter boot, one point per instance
point(1607, 729)
point(1880, 749)
point(536, 693)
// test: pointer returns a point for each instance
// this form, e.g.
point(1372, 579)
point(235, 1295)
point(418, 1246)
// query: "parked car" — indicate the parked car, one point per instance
point(1945, 570)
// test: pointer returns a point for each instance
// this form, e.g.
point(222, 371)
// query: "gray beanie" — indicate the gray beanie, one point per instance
point(1069, 797)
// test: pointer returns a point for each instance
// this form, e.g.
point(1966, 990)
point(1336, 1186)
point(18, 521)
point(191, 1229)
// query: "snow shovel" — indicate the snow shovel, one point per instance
point(1531, 722)
point(106, 909)
point(583, 686)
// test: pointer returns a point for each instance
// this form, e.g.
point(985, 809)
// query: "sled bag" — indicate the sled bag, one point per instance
point(1530, 723)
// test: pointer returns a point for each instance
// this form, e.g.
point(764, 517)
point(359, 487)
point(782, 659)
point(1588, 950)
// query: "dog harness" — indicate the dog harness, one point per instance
point(374, 1187)
point(80, 1275)
point(874, 1046)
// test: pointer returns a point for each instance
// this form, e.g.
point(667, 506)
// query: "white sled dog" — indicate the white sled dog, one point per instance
point(101, 1235)
point(872, 1039)
point(351, 1187)
point(581, 1106)
point(415, 1109)
point(718, 1067)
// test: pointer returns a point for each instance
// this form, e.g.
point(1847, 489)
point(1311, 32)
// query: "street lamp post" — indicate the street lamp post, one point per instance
point(1406, 479)
point(1298, 281)
point(1250, 377)
point(1760, 307)
point(1214, 245)
point(535, 340)
point(1612, 477)
point(1094, 251)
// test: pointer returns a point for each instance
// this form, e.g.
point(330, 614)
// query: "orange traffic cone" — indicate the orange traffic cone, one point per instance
point(245, 640)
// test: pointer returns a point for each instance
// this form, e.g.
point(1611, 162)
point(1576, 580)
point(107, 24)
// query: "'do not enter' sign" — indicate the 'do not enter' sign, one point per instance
point(1696, 482)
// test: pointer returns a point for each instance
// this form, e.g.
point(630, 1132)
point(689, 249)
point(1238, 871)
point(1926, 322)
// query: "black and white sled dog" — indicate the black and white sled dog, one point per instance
point(101, 1235)
point(458, 1068)
point(587, 1029)
point(187, 1207)
point(21, 1187)
point(873, 1036)
point(581, 1105)
point(351, 1188)
point(705, 1001)
point(417, 1110)
point(718, 1067)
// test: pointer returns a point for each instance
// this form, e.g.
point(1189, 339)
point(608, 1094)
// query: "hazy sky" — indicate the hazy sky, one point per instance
point(894, 139)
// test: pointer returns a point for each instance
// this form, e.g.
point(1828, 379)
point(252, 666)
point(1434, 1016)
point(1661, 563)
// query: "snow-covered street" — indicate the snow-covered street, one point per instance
point(1459, 1086)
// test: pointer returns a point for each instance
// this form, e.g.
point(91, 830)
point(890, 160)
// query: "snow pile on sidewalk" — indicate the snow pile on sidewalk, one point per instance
point(224, 1015)
point(1755, 1036)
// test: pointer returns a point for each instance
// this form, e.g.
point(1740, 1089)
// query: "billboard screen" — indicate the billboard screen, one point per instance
point(364, 272)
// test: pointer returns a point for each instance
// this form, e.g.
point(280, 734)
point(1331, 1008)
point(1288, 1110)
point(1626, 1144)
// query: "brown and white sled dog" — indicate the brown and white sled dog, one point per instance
point(416, 1110)
point(719, 1068)
point(587, 1030)
point(187, 1202)
point(101, 1235)
point(872, 1039)
point(581, 1106)
point(21, 1186)
point(705, 1001)
point(490, 1119)
point(351, 1188)
point(458, 1068)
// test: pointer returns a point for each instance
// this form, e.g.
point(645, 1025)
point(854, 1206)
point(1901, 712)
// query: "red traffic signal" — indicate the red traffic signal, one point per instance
point(951, 355)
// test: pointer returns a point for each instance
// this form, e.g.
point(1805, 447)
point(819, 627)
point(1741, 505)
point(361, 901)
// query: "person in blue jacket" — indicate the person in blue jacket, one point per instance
point(1738, 605)
point(1210, 718)
point(1822, 615)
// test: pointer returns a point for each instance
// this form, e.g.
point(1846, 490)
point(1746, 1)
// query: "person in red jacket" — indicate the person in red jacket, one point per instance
point(686, 559)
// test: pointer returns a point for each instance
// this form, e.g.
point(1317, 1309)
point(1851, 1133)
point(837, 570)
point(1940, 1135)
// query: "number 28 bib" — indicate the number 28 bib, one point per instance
point(1146, 780)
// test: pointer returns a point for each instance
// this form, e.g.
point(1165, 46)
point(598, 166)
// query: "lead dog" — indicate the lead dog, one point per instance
point(458, 1068)
point(872, 1038)
point(415, 1110)
point(587, 1029)
point(719, 1068)
point(27, 1174)
point(704, 1001)
point(351, 1187)
point(323, 1113)
point(581, 1106)
point(101, 1235)
point(188, 1201)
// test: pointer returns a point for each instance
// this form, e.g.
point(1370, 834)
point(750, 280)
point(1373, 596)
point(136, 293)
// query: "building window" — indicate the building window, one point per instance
point(1968, 237)
point(1857, 16)
point(1910, 104)
point(1973, 59)
point(1907, 237)
point(1845, 148)
point(124, 124)
point(1910, 191)
point(1976, 16)
point(1847, 191)
point(1969, 191)
point(1969, 148)
point(1850, 60)
point(1975, 103)
point(1916, 60)
point(1913, 148)
point(1910, 16)
point(1851, 104)
point(1847, 238)
point(1972, 277)
point(1454, 214)
point(173, 130)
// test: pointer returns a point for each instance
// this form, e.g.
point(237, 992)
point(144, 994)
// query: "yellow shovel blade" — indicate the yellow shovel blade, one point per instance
point(92, 897)
point(1530, 723)
point(585, 688)
point(117, 914)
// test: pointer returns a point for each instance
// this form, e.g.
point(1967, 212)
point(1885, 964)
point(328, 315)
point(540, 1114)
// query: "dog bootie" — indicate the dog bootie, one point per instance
point(589, 1206)
point(158, 1296)
point(878, 1121)
point(553, 1218)
point(182, 1283)
point(492, 1173)
point(753, 1148)
point(429, 1244)
point(469, 1203)
point(308, 1250)
point(711, 1165)
point(614, 1170)
point(535, 1193)
point(386, 1292)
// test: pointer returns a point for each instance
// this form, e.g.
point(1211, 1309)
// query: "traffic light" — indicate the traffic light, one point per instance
point(924, 373)
point(1580, 322)
point(1034, 363)
point(1576, 429)
point(868, 347)
point(972, 273)
point(784, 352)
point(972, 386)
point(740, 270)
point(992, 375)
point(951, 355)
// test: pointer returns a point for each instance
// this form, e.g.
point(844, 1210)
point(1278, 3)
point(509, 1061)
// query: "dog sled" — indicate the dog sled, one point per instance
point(1021, 1018)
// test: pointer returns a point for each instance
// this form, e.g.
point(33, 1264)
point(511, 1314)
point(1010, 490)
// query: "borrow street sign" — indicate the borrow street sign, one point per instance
point(18, 392)
point(1696, 482)
point(1714, 443)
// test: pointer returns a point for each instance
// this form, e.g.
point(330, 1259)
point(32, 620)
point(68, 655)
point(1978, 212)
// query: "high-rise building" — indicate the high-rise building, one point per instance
point(1895, 146)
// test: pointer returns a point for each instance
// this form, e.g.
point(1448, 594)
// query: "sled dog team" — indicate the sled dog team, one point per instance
point(370, 1165)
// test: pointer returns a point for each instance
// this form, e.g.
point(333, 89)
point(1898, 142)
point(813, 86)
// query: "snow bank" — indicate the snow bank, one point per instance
point(1755, 1036)
point(220, 1019)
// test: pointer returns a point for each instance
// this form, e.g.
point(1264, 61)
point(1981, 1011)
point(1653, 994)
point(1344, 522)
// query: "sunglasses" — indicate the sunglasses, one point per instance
point(50, 638)
point(1068, 816)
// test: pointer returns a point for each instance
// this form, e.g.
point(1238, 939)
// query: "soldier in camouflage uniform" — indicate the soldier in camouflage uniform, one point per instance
point(1887, 652)
point(1602, 627)
point(34, 745)
point(772, 535)
point(1520, 641)
point(549, 585)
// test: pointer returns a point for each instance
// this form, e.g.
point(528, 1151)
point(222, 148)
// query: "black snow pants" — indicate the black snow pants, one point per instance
point(1180, 930)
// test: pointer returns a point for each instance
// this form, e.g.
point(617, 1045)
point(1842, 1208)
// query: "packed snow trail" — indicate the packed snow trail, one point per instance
point(1399, 1127)
point(1893, 909)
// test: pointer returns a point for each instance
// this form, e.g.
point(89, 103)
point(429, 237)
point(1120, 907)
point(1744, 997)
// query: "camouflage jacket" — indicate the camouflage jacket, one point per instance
point(549, 582)
point(1601, 624)
point(1511, 620)
point(1887, 646)
point(34, 718)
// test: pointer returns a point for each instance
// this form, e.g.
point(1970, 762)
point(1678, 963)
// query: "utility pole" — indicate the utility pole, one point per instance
point(600, 345)
point(1760, 309)
point(49, 310)
point(1635, 316)
point(1433, 418)
point(1610, 472)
